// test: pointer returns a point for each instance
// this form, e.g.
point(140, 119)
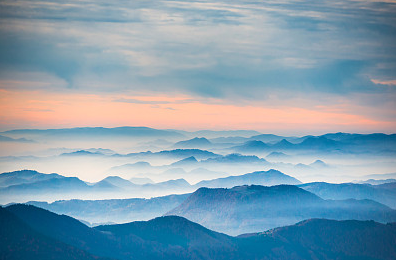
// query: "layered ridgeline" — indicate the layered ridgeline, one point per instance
point(34, 233)
point(244, 209)
point(26, 185)
point(384, 193)
point(114, 210)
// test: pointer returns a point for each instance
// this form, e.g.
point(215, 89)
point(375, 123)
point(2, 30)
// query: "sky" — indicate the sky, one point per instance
point(282, 66)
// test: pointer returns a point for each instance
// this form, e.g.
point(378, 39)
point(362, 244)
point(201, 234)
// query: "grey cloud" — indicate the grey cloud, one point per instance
point(226, 50)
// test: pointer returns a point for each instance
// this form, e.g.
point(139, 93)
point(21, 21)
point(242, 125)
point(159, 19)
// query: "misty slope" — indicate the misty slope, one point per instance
point(267, 178)
point(385, 194)
point(340, 142)
point(24, 176)
point(115, 210)
point(177, 238)
point(194, 143)
point(244, 209)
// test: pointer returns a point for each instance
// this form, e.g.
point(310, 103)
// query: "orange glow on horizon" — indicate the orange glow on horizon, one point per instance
point(39, 109)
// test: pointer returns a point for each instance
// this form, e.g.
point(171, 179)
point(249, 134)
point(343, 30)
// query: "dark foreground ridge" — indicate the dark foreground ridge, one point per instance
point(28, 232)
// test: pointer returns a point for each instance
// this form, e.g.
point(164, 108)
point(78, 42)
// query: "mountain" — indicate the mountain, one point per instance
point(375, 182)
point(83, 153)
point(184, 153)
point(140, 181)
point(283, 145)
point(24, 176)
point(194, 143)
point(326, 239)
point(170, 237)
point(277, 156)
point(235, 158)
point(90, 132)
point(185, 162)
point(114, 210)
point(173, 154)
point(9, 139)
point(244, 209)
point(177, 238)
point(119, 182)
point(251, 146)
point(267, 138)
point(319, 164)
point(63, 184)
point(381, 193)
point(267, 178)
point(19, 241)
point(216, 134)
point(64, 228)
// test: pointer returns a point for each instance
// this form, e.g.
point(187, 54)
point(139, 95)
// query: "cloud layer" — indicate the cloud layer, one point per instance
point(301, 54)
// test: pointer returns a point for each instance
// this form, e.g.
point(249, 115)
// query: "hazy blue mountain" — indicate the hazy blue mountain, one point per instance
point(114, 210)
point(140, 181)
point(174, 154)
point(277, 156)
point(63, 184)
point(267, 138)
point(383, 194)
point(229, 140)
point(84, 132)
point(375, 182)
point(19, 140)
point(173, 237)
point(19, 241)
point(194, 143)
point(216, 134)
point(138, 166)
point(235, 158)
point(24, 176)
point(185, 162)
point(319, 164)
point(174, 185)
point(119, 182)
point(252, 146)
point(83, 153)
point(267, 178)
point(318, 143)
point(244, 209)
point(283, 145)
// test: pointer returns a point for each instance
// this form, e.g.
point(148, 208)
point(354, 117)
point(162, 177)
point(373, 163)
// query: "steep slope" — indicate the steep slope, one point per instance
point(326, 238)
point(177, 238)
point(64, 228)
point(20, 241)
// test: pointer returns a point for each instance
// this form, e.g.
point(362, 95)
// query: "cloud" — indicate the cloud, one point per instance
point(235, 52)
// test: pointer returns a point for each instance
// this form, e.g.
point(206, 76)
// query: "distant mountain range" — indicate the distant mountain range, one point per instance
point(194, 143)
point(28, 232)
point(383, 193)
point(245, 209)
point(267, 178)
point(27, 185)
point(341, 142)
